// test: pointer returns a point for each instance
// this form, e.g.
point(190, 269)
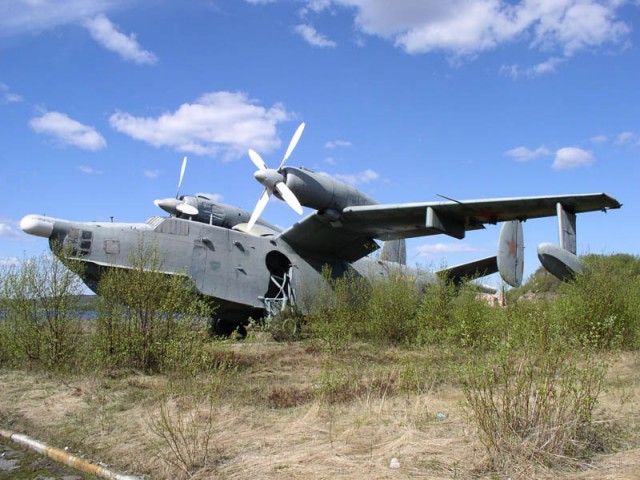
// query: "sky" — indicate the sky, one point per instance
point(100, 100)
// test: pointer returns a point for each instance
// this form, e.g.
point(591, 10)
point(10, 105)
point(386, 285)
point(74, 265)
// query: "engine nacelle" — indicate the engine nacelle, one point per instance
point(218, 214)
point(321, 192)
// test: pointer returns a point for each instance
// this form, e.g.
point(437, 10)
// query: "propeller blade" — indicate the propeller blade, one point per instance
point(187, 209)
point(262, 203)
point(257, 160)
point(184, 167)
point(289, 197)
point(292, 144)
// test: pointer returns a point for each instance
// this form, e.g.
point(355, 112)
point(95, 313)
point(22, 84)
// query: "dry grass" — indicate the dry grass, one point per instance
point(269, 419)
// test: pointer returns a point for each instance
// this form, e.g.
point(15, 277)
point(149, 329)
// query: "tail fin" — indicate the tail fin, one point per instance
point(511, 253)
point(394, 251)
point(562, 261)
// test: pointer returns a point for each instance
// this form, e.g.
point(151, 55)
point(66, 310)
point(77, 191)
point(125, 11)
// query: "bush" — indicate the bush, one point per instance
point(337, 313)
point(148, 319)
point(391, 311)
point(40, 325)
point(533, 405)
point(351, 308)
point(600, 307)
point(185, 424)
point(450, 315)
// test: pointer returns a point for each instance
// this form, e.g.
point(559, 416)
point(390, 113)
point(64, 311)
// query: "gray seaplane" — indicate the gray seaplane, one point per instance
point(251, 268)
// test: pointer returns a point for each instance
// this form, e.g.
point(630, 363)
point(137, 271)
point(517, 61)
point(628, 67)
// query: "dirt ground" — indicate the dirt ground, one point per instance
point(267, 422)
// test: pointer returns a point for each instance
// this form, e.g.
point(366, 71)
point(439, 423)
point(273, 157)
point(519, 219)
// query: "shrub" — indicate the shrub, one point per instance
point(450, 315)
point(185, 424)
point(600, 307)
point(40, 324)
point(533, 405)
point(391, 311)
point(337, 313)
point(351, 307)
point(148, 319)
point(434, 316)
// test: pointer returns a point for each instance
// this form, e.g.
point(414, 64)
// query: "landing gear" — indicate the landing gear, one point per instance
point(285, 325)
point(281, 315)
point(225, 328)
point(280, 294)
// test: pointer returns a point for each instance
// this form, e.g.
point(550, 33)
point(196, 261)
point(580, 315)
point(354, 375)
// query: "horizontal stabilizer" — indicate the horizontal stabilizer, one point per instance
point(469, 271)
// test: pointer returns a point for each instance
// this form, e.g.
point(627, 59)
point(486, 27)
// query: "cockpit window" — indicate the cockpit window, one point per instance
point(79, 242)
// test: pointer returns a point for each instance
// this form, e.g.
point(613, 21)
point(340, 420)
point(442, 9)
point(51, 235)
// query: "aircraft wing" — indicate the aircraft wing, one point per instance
point(350, 234)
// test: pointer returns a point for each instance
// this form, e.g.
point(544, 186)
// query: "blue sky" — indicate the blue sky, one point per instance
point(101, 99)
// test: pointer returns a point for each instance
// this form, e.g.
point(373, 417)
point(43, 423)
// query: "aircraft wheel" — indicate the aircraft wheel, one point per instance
point(242, 331)
point(225, 328)
point(285, 327)
point(222, 328)
point(289, 327)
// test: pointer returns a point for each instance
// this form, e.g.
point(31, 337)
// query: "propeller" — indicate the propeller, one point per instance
point(273, 179)
point(184, 167)
point(174, 206)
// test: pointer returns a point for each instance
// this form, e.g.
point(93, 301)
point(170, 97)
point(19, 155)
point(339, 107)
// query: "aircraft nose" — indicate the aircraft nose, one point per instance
point(37, 225)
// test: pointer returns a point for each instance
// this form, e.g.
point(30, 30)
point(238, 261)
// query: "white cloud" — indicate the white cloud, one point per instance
point(107, 35)
point(513, 71)
point(468, 27)
point(217, 123)
point(572, 157)
point(89, 170)
point(314, 38)
point(625, 138)
point(152, 174)
point(545, 67)
point(599, 139)
point(9, 230)
point(330, 161)
point(68, 131)
point(8, 96)
point(574, 24)
point(21, 16)
point(12, 97)
point(365, 177)
point(337, 143)
point(523, 154)
point(431, 250)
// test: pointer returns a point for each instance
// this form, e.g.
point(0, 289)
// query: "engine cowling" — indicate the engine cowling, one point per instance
point(321, 192)
point(215, 213)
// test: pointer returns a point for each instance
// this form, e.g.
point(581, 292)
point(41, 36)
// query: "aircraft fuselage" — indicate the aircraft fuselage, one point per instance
point(232, 268)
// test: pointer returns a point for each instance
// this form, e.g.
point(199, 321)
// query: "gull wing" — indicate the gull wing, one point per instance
point(350, 234)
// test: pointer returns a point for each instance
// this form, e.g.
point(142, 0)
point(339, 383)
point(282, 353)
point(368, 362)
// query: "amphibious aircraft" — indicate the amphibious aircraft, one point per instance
point(251, 268)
